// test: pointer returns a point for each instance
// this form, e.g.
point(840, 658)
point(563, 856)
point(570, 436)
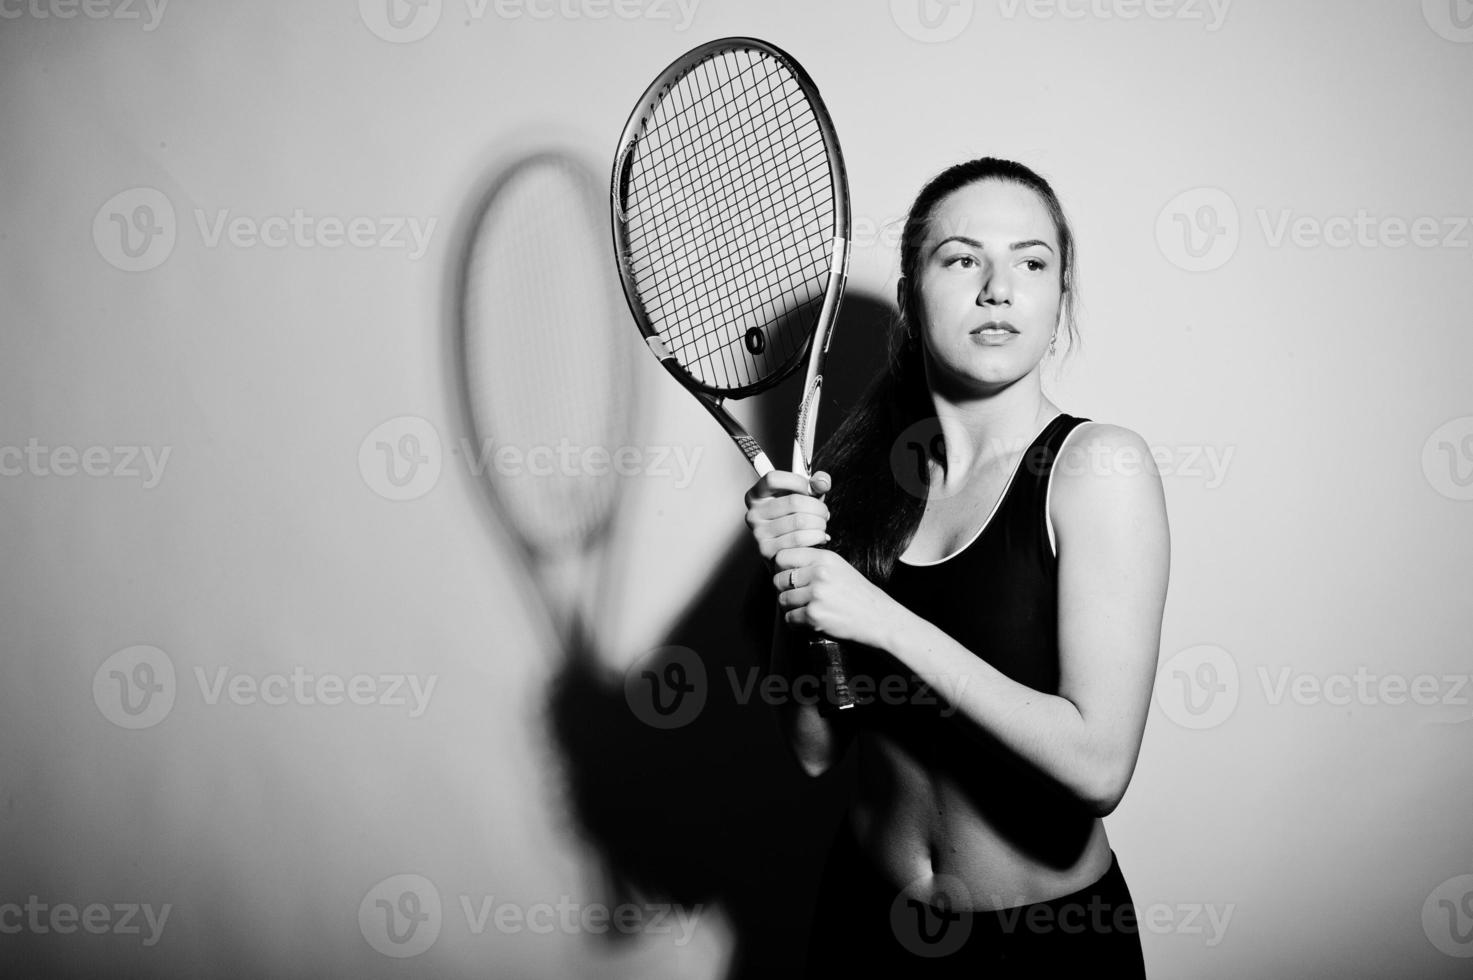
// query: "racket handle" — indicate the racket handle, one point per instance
point(828, 652)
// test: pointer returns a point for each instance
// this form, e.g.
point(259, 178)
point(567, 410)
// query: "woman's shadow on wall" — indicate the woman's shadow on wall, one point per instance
point(710, 807)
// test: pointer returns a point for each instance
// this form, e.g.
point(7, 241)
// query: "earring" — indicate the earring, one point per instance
point(1053, 342)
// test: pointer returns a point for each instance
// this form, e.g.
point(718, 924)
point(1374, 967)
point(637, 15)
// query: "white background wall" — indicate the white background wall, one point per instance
point(1333, 539)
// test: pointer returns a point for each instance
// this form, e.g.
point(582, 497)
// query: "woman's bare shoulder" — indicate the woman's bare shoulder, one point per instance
point(1104, 467)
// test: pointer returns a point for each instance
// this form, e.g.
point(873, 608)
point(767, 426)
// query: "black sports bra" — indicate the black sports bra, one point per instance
point(998, 595)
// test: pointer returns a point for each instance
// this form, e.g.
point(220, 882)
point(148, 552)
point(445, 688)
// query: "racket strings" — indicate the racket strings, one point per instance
point(741, 194)
point(729, 216)
point(677, 235)
point(736, 203)
point(811, 141)
point(766, 226)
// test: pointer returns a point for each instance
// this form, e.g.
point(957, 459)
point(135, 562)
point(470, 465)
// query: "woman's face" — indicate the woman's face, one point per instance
point(989, 284)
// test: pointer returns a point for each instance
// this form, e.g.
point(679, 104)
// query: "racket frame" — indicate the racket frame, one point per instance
point(839, 188)
point(816, 347)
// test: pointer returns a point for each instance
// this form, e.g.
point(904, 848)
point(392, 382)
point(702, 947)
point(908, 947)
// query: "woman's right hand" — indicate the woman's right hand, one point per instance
point(783, 511)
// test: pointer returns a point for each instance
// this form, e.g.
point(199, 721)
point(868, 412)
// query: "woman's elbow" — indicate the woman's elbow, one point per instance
point(1104, 804)
point(1105, 791)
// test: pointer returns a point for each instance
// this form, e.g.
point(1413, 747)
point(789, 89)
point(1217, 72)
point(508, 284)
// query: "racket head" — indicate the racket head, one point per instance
point(730, 214)
point(546, 360)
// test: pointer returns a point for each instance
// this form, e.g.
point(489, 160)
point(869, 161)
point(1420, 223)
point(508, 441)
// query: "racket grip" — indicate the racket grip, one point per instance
point(836, 669)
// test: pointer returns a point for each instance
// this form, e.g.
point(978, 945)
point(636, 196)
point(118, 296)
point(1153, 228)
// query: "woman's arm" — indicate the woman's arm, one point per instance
point(1109, 515)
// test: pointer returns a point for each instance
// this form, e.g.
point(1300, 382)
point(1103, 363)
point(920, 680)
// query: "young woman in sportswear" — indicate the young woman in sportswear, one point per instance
point(997, 570)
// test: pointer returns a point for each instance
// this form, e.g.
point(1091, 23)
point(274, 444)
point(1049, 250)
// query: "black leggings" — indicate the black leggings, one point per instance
point(862, 924)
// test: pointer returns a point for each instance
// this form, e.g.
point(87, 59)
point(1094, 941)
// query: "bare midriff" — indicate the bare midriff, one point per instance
point(922, 827)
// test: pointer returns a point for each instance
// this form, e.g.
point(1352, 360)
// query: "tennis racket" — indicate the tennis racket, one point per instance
point(731, 229)
point(540, 320)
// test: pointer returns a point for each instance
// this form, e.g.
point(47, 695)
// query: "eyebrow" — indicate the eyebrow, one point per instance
point(1015, 246)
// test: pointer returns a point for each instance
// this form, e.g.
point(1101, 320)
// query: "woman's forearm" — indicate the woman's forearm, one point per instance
point(1046, 731)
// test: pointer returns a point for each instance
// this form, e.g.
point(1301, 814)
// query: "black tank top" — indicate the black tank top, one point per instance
point(998, 596)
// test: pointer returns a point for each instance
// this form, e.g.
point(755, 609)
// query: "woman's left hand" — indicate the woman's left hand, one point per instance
point(820, 590)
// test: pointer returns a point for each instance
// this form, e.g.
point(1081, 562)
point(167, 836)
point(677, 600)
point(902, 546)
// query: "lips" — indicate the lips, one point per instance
point(997, 325)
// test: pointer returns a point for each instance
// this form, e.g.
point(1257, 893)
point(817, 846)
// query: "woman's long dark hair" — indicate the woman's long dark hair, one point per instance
point(872, 516)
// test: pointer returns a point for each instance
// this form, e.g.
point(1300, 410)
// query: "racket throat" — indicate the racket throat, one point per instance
point(734, 429)
point(807, 423)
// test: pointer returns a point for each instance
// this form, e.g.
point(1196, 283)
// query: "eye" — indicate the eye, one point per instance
point(1035, 265)
point(971, 262)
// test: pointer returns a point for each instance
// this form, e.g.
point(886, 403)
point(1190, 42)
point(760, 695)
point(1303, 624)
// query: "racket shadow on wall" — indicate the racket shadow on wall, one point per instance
point(706, 805)
point(705, 809)
point(547, 372)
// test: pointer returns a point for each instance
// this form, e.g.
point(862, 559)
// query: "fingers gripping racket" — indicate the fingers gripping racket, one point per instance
point(731, 227)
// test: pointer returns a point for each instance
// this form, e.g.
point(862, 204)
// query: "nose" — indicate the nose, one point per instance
point(995, 290)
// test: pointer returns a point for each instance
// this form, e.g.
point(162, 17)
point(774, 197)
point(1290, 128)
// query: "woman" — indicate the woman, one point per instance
point(1005, 564)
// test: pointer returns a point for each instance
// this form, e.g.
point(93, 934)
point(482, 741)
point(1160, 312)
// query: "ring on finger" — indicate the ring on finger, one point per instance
point(792, 575)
